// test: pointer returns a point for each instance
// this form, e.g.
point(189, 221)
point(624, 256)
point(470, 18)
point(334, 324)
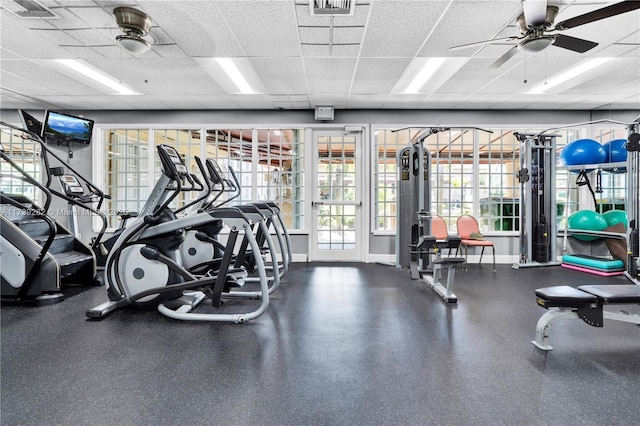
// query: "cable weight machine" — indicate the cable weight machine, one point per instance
point(537, 177)
point(416, 248)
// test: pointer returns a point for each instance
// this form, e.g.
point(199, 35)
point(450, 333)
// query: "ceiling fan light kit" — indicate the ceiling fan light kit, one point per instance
point(536, 45)
point(135, 25)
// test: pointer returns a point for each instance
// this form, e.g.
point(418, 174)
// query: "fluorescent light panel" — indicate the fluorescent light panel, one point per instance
point(582, 68)
point(235, 75)
point(426, 72)
point(426, 75)
point(97, 75)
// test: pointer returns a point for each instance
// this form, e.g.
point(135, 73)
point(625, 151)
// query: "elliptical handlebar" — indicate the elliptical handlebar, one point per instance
point(197, 185)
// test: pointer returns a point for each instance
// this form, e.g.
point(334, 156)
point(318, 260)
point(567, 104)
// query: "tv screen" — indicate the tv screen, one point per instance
point(62, 128)
point(30, 123)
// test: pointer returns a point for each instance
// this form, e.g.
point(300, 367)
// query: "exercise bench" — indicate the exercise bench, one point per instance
point(586, 303)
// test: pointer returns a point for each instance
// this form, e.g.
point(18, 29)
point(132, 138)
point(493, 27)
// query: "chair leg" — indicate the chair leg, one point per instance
point(481, 253)
point(462, 248)
point(494, 258)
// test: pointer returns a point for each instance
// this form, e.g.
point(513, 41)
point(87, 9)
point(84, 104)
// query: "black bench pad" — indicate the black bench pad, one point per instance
point(615, 293)
point(563, 295)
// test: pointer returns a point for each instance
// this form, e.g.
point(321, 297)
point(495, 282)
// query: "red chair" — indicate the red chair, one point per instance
point(468, 225)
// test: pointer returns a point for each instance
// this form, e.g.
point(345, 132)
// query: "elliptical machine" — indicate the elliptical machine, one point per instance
point(144, 268)
point(199, 250)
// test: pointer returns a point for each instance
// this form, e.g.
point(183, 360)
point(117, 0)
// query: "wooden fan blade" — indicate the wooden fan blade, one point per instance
point(504, 58)
point(571, 43)
point(596, 15)
point(482, 43)
point(535, 12)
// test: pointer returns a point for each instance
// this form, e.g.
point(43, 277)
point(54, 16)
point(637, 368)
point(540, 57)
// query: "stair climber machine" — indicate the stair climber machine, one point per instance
point(145, 269)
point(85, 195)
point(37, 254)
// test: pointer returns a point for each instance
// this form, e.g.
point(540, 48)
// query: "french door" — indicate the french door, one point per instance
point(336, 206)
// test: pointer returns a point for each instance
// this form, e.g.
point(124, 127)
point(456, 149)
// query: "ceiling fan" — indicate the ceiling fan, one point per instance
point(538, 30)
point(135, 26)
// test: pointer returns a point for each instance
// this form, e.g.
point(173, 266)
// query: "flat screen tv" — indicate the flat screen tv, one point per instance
point(63, 128)
point(30, 123)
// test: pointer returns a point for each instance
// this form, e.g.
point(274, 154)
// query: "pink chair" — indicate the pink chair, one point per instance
point(439, 228)
point(466, 226)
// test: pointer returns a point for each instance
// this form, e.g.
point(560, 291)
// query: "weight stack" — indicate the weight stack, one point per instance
point(541, 247)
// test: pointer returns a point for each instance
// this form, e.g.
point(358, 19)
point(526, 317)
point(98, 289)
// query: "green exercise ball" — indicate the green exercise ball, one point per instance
point(614, 217)
point(587, 220)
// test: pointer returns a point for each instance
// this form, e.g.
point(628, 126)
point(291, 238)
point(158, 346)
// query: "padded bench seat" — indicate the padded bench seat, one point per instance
point(563, 296)
point(585, 303)
point(615, 293)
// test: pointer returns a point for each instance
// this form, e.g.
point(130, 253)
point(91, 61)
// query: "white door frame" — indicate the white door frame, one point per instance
point(359, 254)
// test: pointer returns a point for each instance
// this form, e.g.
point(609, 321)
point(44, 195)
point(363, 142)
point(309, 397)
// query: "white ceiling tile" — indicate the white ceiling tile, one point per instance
point(282, 75)
point(348, 34)
point(315, 35)
point(399, 28)
point(366, 101)
point(95, 17)
point(90, 37)
point(331, 75)
point(456, 27)
point(66, 19)
point(82, 52)
point(342, 51)
point(375, 76)
point(315, 50)
point(8, 55)
point(169, 51)
point(197, 26)
point(273, 32)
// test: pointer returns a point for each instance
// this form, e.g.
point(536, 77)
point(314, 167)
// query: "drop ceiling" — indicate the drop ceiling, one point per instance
point(302, 60)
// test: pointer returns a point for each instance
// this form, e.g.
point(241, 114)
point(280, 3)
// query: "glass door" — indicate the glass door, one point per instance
point(336, 233)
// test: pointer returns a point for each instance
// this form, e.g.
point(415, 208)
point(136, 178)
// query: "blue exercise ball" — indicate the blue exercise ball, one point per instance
point(586, 220)
point(582, 151)
point(616, 153)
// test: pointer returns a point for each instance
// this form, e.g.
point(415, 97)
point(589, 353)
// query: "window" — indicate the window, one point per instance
point(26, 154)
point(268, 164)
point(126, 171)
point(472, 172)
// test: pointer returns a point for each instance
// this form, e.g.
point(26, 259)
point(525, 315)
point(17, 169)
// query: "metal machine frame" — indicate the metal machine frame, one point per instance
point(537, 176)
point(414, 244)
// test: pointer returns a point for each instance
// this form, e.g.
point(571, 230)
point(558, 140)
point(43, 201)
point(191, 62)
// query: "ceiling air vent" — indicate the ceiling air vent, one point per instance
point(332, 7)
point(27, 9)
